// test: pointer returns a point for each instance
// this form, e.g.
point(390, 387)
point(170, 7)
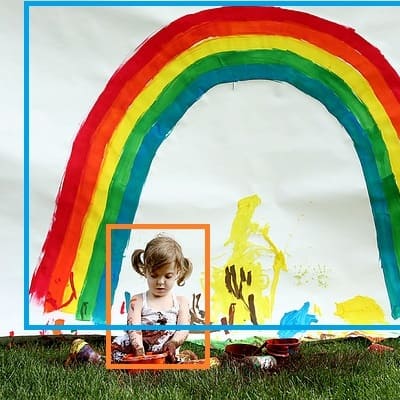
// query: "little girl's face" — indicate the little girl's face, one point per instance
point(162, 280)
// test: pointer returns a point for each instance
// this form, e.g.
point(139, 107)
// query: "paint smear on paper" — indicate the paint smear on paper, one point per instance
point(59, 321)
point(243, 281)
point(301, 275)
point(361, 310)
point(127, 300)
point(318, 275)
point(317, 310)
point(296, 317)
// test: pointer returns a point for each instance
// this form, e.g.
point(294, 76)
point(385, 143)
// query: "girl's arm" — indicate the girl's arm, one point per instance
point(183, 319)
point(179, 336)
point(135, 318)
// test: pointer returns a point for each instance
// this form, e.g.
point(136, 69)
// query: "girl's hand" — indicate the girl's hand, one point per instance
point(170, 349)
point(139, 351)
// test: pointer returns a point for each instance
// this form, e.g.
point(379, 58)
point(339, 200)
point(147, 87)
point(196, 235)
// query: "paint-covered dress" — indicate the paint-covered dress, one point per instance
point(153, 341)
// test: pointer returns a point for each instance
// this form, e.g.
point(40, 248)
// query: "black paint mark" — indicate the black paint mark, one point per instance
point(252, 310)
point(248, 280)
point(235, 287)
point(196, 315)
point(228, 280)
point(83, 310)
point(232, 313)
point(232, 271)
point(242, 275)
point(162, 319)
point(224, 322)
point(54, 303)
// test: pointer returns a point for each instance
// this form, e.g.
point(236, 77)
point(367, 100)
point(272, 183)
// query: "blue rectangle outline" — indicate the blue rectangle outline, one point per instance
point(26, 202)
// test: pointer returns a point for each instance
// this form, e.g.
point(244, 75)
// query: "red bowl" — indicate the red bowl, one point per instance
point(240, 350)
point(148, 358)
point(285, 341)
point(283, 347)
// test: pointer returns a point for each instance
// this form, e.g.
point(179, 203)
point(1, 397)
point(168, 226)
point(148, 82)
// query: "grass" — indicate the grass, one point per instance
point(332, 369)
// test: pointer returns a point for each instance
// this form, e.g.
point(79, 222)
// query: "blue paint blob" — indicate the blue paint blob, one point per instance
point(296, 317)
point(127, 300)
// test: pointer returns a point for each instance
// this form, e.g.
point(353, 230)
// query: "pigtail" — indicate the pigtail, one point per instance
point(137, 260)
point(185, 271)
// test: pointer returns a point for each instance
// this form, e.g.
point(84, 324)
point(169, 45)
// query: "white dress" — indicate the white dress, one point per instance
point(153, 340)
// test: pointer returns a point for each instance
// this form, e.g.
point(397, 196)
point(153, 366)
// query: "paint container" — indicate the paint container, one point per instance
point(283, 347)
point(261, 362)
point(240, 350)
point(148, 358)
point(81, 351)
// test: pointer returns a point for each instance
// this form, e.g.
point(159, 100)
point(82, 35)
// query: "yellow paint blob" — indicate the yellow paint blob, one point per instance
point(317, 310)
point(360, 310)
point(243, 280)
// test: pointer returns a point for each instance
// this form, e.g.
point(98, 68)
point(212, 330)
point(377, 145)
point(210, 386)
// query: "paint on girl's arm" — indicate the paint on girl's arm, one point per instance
point(360, 310)
point(131, 309)
point(135, 337)
point(132, 302)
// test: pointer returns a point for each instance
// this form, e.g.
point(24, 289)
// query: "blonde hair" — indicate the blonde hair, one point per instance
point(160, 251)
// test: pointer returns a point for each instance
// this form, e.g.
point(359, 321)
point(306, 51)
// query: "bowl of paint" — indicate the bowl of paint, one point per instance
point(148, 358)
point(283, 347)
point(241, 350)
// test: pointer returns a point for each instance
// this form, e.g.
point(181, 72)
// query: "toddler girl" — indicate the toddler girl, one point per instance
point(162, 264)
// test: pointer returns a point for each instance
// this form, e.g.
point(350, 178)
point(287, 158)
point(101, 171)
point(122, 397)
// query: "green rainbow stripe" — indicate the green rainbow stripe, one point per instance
point(138, 159)
point(127, 139)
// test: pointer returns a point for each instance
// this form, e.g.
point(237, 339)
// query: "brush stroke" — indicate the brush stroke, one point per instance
point(245, 280)
point(361, 310)
point(296, 317)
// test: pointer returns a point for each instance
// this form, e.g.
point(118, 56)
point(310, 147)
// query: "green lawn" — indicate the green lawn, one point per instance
point(332, 369)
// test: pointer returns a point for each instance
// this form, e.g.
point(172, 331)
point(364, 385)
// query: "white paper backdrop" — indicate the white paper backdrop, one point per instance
point(286, 148)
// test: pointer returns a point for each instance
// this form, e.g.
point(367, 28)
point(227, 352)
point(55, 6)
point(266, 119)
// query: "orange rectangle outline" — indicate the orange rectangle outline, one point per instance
point(207, 343)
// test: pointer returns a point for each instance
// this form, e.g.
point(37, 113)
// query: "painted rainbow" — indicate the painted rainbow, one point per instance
point(144, 99)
